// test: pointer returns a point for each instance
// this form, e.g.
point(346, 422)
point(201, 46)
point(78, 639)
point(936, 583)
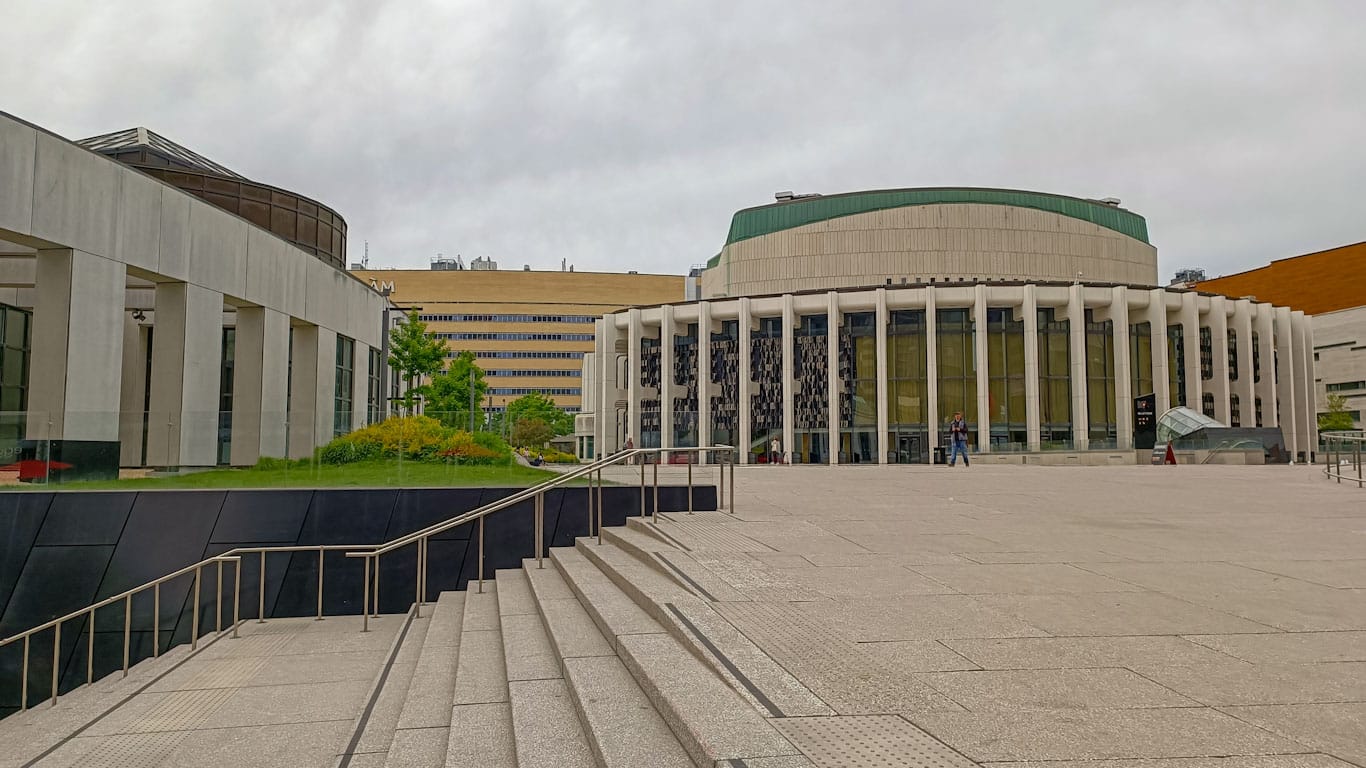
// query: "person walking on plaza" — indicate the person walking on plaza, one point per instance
point(775, 454)
point(630, 446)
point(958, 434)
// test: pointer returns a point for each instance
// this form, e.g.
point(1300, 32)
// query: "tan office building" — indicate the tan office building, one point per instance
point(529, 330)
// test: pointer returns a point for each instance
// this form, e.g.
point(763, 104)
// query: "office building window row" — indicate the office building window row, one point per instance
point(1206, 353)
point(374, 388)
point(461, 318)
point(522, 355)
point(346, 364)
point(534, 372)
point(512, 336)
point(533, 390)
point(1345, 386)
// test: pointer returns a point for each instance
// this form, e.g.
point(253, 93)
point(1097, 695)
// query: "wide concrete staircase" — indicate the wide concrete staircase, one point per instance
point(604, 655)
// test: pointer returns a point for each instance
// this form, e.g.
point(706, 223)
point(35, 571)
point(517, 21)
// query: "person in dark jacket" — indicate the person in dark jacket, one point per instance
point(958, 437)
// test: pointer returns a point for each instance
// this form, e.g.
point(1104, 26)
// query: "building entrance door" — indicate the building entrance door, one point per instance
point(911, 448)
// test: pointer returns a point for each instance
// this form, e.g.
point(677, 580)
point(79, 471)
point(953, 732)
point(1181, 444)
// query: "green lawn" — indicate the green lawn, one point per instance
point(367, 474)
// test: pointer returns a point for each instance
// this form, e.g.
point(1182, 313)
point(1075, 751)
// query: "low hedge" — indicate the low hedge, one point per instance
point(416, 438)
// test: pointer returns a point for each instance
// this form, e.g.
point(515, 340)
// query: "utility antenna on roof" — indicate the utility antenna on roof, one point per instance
point(365, 257)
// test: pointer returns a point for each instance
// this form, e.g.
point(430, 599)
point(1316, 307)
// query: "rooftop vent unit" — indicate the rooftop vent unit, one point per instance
point(1188, 275)
point(443, 264)
point(483, 264)
point(1111, 201)
point(781, 196)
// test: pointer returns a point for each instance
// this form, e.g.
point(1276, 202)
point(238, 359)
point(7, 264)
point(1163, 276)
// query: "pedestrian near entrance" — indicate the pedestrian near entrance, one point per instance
point(775, 452)
point(958, 437)
point(629, 446)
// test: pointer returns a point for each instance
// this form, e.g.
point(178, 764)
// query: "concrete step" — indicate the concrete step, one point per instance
point(621, 725)
point(677, 565)
point(481, 720)
point(612, 610)
point(709, 718)
point(378, 733)
point(421, 731)
point(546, 729)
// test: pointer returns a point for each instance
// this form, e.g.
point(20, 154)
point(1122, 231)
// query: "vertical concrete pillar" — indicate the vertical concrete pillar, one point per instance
point(880, 319)
point(1190, 332)
point(1219, 385)
point(1244, 387)
point(132, 392)
point(704, 386)
point(604, 415)
point(1157, 325)
point(1031, 364)
point(1285, 381)
point(1076, 342)
point(635, 392)
point(303, 390)
point(789, 401)
point(745, 388)
point(1124, 377)
point(77, 340)
point(667, 331)
point(1266, 343)
point(187, 368)
point(933, 418)
point(259, 385)
point(1305, 392)
point(325, 396)
point(360, 371)
point(982, 362)
point(832, 373)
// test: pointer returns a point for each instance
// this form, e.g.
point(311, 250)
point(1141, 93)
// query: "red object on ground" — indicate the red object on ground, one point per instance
point(1171, 456)
point(33, 469)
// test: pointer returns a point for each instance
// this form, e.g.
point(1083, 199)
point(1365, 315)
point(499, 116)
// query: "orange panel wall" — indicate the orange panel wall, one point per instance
point(1315, 283)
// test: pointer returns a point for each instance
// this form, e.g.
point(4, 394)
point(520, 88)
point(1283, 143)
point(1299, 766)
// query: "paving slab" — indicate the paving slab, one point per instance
point(481, 734)
point(1341, 574)
point(546, 729)
point(1021, 579)
point(1289, 647)
point(1233, 683)
point(623, 727)
point(1084, 652)
point(1053, 689)
point(868, 740)
point(1314, 760)
point(1332, 728)
point(1118, 613)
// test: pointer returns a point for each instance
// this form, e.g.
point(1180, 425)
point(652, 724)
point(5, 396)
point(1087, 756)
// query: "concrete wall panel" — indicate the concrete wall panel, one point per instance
point(218, 250)
point(18, 151)
point(75, 196)
point(174, 257)
point(138, 228)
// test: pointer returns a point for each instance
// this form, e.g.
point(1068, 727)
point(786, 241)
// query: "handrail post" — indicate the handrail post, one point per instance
point(128, 624)
point(23, 678)
point(417, 580)
point(321, 551)
point(734, 459)
point(690, 458)
point(218, 604)
point(194, 620)
point(540, 529)
point(720, 483)
point(654, 471)
point(156, 620)
point(374, 596)
point(261, 592)
point(481, 555)
point(1358, 462)
point(599, 506)
point(236, 596)
point(642, 491)
point(56, 659)
point(365, 598)
point(90, 651)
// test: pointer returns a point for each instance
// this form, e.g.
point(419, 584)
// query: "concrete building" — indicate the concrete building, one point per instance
point(164, 330)
point(849, 366)
point(529, 330)
point(1331, 286)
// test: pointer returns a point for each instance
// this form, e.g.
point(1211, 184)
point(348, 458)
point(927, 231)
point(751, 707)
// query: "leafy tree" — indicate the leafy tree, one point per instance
point(537, 406)
point(1337, 417)
point(531, 433)
point(414, 355)
point(449, 398)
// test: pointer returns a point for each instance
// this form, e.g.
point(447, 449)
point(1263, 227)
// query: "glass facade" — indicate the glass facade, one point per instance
point(1140, 359)
point(1232, 355)
point(858, 398)
point(225, 395)
point(1176, 364)
point(374, 390)
point(16, 335)
point(1101, 407)
point(766, 374)
point(1006, 380)
point(725, 379)
point(956, 355)
point(908, 393)
point(343, 391)
point(685, 388)
point(1055, 381)
point(810, 370)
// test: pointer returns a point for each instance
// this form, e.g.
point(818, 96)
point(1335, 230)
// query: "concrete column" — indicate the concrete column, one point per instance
point(360, 370)
point(1124, 377)
point(1306, 396)
point(77, 339)
point(742, 408)
point(132, 392)
point(1285, 381)
point(979, 347)
point(1266, 341)
point(1219, 385)
point(789, 401)
point(259, 385)
point(326, 393)
point(635, 333)
point(667, 330)
point(303, 390)
point(1031, 352)
point(1076, 342)
point(832, 382)
point(602, 410)
point(187, 366)
point(1157, 324)
point(880, 319)
point(933, 418)
point(1245, 387)
point(1190, 332)
point(704, 386)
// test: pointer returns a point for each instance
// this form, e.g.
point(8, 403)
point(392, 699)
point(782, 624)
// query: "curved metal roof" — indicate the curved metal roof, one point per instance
point(1182, 421)
point(775, 217)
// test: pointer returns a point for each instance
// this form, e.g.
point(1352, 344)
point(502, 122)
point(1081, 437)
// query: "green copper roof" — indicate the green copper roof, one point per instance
point(767, 219)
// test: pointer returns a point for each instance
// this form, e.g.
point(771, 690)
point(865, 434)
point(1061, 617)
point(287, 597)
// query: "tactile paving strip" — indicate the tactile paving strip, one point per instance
point(180, 711)
point(868, 741)
point(133, 750)
point(711, 536)
point(849, 679)
point(229, 673)
point(756, 580)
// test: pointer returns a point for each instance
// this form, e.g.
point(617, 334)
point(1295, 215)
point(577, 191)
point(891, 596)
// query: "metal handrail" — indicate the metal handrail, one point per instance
point(536, 493)
point(370, 552)
point(1344, 449)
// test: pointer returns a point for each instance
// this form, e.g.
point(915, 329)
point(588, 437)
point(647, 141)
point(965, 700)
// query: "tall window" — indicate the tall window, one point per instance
point(684, 374)
point(1235, 416)
point(766, 372)
point(1141, 358)
point(1006, 379)
point(374, 388)
point(725, 374)
point(908, 410)
point(1257, 404)
point(1207, 404)
point(1256, 359)
point(858, 399)
point(343, 390)
point(956, 358)
point(1232, 355)
point(1055, 381)
point(1206, 354)
point(1100, 382)
point(225, 395)
point(14, 362)
point(1176, 363)
point(810, 369)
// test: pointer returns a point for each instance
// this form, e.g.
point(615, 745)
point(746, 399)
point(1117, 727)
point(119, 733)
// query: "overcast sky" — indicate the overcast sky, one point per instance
point(622, 134)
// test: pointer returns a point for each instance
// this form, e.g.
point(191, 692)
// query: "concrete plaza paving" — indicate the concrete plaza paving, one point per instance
point(1186, 616)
